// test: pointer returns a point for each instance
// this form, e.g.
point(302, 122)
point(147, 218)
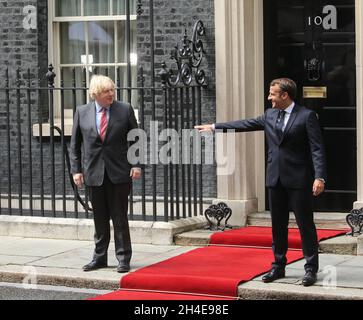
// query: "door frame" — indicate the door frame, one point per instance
point(359, 65)
point(228, 34)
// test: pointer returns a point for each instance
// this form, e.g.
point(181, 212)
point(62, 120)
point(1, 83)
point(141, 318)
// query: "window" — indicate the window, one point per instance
point(89, 37)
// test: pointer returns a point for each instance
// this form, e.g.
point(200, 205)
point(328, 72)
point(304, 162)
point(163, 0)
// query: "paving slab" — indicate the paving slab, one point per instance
point(324, 261)
point(348, 277)
point(59, 262)
point(339, 278)
point(40, 247)
point(353, 262)
point(8, 259)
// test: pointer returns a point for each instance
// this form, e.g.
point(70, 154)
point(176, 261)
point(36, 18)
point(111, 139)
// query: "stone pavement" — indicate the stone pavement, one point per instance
point(340, 278)
point(59, 262)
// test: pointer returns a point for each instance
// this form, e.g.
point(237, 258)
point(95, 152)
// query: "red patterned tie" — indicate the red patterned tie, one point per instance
point(103, 125)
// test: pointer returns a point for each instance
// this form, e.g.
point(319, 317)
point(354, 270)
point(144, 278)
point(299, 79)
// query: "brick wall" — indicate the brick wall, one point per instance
point(171, 19)
point(24, 49)
point(28, 49)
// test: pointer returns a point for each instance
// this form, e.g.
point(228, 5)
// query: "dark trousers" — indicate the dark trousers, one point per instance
point(111, 201)
point(300, 201)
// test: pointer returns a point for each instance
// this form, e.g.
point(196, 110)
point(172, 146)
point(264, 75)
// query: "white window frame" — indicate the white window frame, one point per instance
point(54, 48)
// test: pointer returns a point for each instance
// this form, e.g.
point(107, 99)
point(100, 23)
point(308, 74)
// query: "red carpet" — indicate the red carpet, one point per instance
point(210, 270)
point(234, 257)
point(262, 237)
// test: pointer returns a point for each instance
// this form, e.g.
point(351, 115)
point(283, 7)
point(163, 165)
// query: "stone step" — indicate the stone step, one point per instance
point(323, 220)
point(342, 245)
point(142, 232)
point(199, 237)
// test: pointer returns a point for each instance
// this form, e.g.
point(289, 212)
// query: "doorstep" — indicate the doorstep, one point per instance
point(342, 245)
point(158, 233)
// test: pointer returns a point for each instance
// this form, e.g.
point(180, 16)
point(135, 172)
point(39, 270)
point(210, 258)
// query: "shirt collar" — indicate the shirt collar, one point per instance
point(99, 108)
point(290, 108)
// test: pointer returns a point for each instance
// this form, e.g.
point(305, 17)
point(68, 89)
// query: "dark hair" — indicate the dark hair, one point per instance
point(286, 85)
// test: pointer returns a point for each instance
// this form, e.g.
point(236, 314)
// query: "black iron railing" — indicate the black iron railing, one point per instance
point(35, 122)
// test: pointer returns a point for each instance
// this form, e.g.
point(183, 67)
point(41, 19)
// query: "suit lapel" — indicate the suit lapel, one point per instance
point(111, 120)
point(291, 121)
point(274, 120)
point(92, 119)
point(92, 116)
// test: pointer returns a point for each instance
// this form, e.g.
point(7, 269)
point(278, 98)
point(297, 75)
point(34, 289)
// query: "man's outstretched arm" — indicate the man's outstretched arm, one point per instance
point(257, 124)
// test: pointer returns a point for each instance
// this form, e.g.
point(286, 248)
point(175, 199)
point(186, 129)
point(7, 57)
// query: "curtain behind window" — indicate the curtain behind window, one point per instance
point(72, 42)
point(68, 8)
point(96, 8)
point(101, 35)
point(119, 7)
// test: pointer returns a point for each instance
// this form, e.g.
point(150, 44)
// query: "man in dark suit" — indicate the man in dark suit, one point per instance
point(296, 170)
point(98, 153)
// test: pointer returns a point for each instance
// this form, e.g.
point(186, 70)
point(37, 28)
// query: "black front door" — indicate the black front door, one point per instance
point(313, 42)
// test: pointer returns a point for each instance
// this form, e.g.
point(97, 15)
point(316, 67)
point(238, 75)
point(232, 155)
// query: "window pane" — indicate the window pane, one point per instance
point(101, 41)
point(123, 83)
point(72, 42)
point(68, 8)
point(105, 71)
point(96, 7)
point(73, 98)
point(119, 7)
point(121, 42)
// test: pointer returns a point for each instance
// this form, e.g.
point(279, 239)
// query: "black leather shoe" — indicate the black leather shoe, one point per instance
point(309, 279)
point(94, 265)
point(123, 268)
point(273, 275)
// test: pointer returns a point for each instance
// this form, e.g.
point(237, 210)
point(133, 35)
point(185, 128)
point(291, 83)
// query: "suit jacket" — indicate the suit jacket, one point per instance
point(298, 157)
point(90, 156)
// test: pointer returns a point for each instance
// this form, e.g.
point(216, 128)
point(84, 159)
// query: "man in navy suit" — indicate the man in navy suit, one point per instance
point(98, 154)
point(296, 170)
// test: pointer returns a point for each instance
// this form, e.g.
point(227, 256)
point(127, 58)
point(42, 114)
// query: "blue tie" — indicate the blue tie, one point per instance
point(280, 123)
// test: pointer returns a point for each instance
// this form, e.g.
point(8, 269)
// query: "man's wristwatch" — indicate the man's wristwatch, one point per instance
point(321, 179)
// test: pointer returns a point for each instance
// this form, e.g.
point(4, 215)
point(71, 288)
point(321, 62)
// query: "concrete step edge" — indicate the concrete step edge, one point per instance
point(258, 290)
point(59, 280)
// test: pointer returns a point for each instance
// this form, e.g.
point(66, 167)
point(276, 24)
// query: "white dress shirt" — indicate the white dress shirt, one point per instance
point(288, 112)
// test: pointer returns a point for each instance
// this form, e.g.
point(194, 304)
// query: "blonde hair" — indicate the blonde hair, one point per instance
point(98, 84)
